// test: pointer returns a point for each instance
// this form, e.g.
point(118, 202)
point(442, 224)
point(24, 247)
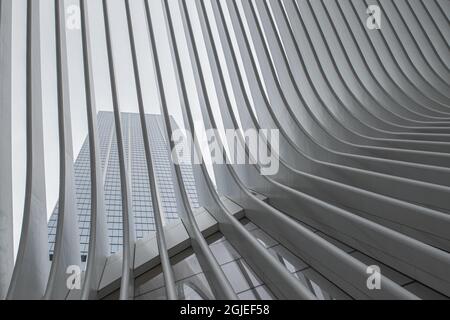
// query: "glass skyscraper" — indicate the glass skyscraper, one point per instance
point(139, 182)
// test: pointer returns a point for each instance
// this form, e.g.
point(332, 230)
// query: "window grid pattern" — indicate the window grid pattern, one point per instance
point(139, 181)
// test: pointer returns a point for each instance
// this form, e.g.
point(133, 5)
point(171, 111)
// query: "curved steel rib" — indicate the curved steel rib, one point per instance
point(67, 249)
point(98, 241)
point(215, 276)
point(274, 274)
point(32, 266)
point(282, 202)
point(362, 161)
point(267, 217)
point(6, 161)
point(158, 210)
point(127, 280)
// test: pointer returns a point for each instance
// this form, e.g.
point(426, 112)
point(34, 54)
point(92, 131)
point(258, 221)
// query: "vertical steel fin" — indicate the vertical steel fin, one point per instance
point(6, 172)
point(158, 209)
point(218, 282)
point(98, 241)
point(67, 249)
point(32, 265)
point(127, 281)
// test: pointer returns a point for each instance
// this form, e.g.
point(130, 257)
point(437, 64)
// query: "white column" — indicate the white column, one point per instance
point(32, 264)
point(6, 207)
point(98, 238)
point(67, 248)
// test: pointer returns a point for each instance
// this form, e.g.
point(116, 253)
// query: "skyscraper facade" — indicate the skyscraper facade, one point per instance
point(140, 188)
